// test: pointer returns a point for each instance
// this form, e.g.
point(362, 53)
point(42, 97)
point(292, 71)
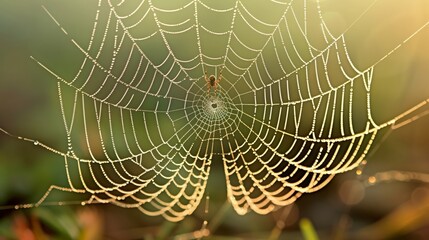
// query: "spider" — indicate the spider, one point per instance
point(212, 82)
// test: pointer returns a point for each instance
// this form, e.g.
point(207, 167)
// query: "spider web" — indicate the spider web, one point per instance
point(291, 111)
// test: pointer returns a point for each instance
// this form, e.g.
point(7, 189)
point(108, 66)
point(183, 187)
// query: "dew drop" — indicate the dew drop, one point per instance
point(372, 180)
point(36, 143)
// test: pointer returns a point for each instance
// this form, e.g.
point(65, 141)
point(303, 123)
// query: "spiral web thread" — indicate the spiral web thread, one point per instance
point(291, 110)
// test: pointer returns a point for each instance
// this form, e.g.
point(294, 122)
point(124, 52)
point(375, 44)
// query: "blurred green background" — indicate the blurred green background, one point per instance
point(346, 208)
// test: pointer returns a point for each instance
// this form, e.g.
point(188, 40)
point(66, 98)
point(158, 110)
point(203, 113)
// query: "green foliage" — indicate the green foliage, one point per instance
point(308, 230)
